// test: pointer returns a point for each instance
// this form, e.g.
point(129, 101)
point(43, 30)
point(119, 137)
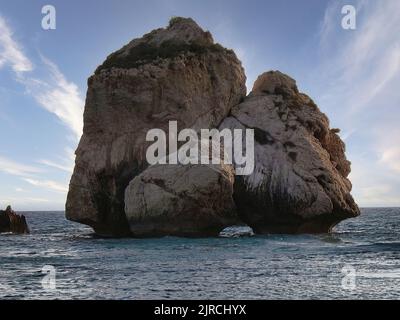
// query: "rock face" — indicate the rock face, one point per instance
point(177, 73)
point(299, 184)
point(181, 200)
point(12, 222)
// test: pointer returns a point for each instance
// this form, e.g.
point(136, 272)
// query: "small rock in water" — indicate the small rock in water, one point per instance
point(12, 222)
point(236, 232)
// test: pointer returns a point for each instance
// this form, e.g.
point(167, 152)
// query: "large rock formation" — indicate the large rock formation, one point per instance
point(299, 183)
point(177, 73)
point(12, 222)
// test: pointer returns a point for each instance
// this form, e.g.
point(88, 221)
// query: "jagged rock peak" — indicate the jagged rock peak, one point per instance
point(181, 36)
point(181, 30)
point(275, 82)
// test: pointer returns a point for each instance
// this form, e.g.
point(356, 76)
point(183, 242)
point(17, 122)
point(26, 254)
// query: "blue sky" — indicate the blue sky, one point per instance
point(353, 75)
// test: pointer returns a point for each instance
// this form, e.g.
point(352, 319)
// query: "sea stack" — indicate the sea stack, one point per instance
point(179, 74)
point(12, 222)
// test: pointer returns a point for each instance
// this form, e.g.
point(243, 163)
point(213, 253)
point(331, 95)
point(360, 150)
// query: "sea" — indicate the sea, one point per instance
point(65, 260)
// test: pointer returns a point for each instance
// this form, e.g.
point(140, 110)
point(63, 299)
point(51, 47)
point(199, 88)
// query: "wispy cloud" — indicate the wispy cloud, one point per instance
point(60, 166)
point(328, 27)
point(66, 164)
point(15, 168)
point(58, 96)
point(29, 174)
point(361, 71)
point(10, 51)
point(48, 184)
point(361, 63)
point(53, 92)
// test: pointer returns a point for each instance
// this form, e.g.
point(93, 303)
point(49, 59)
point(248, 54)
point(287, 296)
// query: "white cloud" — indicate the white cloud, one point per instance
point(60, 166)
point(361, 63)
point(54, 93)
point(359, 72)
point(10, 51)
point(328, 26)
point(27, 173)
point(387, 66)
point(58, 96)
point(66, 164)
point(18, 169)
point(48, 184)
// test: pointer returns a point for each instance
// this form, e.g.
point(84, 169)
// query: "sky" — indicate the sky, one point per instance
point(353, 76)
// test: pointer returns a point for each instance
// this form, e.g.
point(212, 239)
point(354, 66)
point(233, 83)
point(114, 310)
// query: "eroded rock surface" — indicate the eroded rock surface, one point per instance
point(181, 200)
point(177, 73)
point(300, 182)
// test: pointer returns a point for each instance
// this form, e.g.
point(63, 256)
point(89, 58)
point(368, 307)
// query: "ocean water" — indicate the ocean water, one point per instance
point(259, 267)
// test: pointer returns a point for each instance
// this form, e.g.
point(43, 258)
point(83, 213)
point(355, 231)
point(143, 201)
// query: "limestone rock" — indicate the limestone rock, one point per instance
point(299, 184)
point(12, 222)
point(181, 200)
point(177, 73)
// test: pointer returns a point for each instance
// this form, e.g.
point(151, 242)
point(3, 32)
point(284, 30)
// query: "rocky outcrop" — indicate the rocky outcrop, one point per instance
point(181, 200)
point(299, 184)
point(12, 222)
point(177, 73)
point(236, 232)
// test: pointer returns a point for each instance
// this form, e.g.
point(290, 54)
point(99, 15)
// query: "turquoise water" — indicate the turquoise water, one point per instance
point(261, 267)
